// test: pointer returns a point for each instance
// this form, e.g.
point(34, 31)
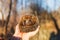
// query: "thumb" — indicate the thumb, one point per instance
point(17, 29)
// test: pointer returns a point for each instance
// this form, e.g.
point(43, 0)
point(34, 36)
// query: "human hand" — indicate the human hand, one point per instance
point(24, 36)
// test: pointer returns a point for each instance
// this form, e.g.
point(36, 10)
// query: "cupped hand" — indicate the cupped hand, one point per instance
point(25, 36)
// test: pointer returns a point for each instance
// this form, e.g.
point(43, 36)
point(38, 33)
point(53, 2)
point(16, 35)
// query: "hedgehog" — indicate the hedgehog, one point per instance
point(28, 23)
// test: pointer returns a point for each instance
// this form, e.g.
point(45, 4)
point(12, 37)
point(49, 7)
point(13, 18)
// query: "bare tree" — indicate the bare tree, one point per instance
point(12, 22)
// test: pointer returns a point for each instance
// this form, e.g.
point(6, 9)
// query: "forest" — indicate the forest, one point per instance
point(10, 16)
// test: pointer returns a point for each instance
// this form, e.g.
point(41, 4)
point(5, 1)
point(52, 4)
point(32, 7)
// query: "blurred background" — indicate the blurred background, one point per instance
point(48, 13)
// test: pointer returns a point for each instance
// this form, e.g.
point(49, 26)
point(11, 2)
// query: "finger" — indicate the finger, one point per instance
point(30, 34)
point(17, 29)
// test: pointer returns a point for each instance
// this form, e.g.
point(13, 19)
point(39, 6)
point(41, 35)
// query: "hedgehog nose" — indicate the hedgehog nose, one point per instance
point(28, 21)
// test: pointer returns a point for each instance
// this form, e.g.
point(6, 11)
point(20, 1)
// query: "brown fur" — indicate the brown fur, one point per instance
point(28, 23)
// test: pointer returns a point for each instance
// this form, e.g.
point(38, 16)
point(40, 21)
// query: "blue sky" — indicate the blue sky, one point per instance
point(49, 5)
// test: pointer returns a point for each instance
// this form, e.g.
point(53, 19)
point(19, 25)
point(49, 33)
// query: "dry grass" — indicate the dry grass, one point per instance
point(47, 26)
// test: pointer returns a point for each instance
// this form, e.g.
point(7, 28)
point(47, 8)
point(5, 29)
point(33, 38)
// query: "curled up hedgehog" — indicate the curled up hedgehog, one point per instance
point(28, 23)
